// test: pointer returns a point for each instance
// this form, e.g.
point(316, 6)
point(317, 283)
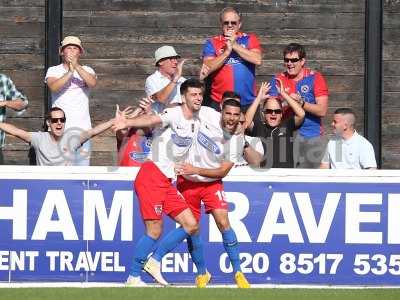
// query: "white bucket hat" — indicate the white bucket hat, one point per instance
point(165, 52)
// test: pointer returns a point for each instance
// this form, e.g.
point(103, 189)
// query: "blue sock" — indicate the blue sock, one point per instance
point(142, 250)
point(232, 248)
point(170, 242)
point(195, 246)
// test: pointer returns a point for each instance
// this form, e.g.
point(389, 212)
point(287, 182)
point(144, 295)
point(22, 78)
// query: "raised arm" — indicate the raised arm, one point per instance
point(15, 131)
point(297, 108)
point(163, 95)
point(188, 169)
point(262, 95)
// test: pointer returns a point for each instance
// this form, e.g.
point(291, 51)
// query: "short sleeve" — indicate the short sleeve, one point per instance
point(169, 115)
point(150, 86)
point(320, 86)
point(90, 70)
point(254, 43)
point(35, 139)
point(52, 72)
point(367, 156)
point(209, 49)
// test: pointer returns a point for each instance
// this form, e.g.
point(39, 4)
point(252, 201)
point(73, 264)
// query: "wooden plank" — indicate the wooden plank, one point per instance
point(22, 14)
point(16, 157)
point(206, 6)
point(21, 62)
point(22, 45)
point(27, 78)
point(210, 20)
point(26, 30)
point(391, 84)
point(24, 3)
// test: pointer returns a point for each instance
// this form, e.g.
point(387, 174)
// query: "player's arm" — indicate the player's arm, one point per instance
point(188, 169)
point(15, 131)
point(139, 122)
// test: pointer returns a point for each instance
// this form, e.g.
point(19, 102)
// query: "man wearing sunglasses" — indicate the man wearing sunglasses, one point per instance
point(310, 90)
point(276, 133)
point(231, 58)
point(54, 148)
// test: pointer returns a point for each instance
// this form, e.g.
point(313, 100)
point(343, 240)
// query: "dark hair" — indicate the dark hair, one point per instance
point(191, 83)
point(48, 115)
point(230, 9)
point(272, 99)
point(295, 47)
point(230, 94)
point(230, 102)
point(344, 111)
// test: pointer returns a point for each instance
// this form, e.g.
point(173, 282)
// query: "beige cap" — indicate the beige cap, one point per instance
point(164, 52)
point(71, 40)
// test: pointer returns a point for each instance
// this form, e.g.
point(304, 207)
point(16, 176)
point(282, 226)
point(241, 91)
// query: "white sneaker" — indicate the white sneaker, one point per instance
point(153, 267)
point(135, 281)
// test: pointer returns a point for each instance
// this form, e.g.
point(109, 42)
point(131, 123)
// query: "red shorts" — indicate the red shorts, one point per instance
point(156, 194)
point(211, 193)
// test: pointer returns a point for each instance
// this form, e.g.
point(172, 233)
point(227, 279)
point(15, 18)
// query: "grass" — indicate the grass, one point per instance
point(200, 294)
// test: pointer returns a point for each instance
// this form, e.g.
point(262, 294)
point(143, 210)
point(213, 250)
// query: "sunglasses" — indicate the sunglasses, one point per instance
point(227, 23)
point(241, 122)
point(292, 60)
point(55, 120)
point(272, 111)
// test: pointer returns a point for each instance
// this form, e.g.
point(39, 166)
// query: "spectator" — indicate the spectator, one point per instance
point(10, 97)
point(348, 149)
point(164, 84)
point(70, 83)
point(231, 58)
point(54, 148)
point(276, 134)
point(308, 88)
point(133, 144)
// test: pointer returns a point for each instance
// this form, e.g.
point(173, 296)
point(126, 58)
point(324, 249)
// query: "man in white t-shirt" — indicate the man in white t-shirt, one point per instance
point(176, 130)
point(55, 147)
point(70, 83)
point(164, 84)
point(348, 150)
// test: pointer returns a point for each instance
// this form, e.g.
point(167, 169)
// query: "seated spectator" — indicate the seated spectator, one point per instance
point(348, 149)
point(54, 148)
point(276, 134)
point(10, 97)
point(164, 84)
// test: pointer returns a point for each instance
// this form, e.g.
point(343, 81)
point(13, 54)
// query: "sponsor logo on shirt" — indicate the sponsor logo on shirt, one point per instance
point(208, 143)
point(181, 141)
point(305, 88)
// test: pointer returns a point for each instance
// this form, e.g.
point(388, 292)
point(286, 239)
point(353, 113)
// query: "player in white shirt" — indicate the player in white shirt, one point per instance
point(214, 153)
point(178, 127)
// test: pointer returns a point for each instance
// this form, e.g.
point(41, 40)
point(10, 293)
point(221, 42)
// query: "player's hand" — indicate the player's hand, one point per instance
point(184, 169)
point(145, 104)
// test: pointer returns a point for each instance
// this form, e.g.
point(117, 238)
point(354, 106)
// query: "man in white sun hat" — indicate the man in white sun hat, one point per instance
point(163, 85)
point(70, 83)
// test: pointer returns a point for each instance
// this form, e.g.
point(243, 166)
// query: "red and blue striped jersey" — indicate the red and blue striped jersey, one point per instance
point(236, 74)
